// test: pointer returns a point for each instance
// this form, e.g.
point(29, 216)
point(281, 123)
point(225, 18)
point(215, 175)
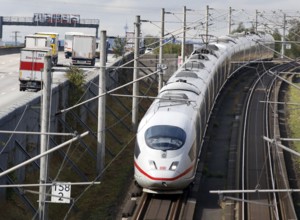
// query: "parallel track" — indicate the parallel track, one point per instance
point(263, 175)
point(258, 166)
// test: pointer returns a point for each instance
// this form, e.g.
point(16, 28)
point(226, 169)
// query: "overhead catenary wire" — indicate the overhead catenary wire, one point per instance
point(16, 127)
point(47, 184)
point(106, 93)
point(111, 94)
point(133, 137)
point(38, 133)
point(129, 112)
point(98, 176)
point(43, 154)
point(61, 166)
point(154, 97)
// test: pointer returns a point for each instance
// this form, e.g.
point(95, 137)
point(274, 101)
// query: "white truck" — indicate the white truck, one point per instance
point(54, 44)
point(44, 39)
point(84, 50)
point(68, 44)
point(31, 67)
point(37, 41)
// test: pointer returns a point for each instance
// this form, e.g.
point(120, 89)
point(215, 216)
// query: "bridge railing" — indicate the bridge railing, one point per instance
point(17, 19)
point(7, 19)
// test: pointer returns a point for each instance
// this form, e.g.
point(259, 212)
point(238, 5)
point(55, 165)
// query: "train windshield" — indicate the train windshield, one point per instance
point(165, 137)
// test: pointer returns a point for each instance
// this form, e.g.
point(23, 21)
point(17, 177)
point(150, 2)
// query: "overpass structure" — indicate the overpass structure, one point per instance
point(30, 21)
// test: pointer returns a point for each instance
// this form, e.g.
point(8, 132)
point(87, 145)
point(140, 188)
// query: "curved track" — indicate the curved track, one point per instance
point(255, 174)
point(264, 169)
point(257, 164)
point(262, 165)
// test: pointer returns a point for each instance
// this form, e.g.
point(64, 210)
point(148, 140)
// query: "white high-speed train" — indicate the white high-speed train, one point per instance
point(170, 135)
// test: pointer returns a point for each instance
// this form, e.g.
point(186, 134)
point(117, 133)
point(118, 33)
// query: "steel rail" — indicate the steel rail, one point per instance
point(272, 179)
point(249, 99)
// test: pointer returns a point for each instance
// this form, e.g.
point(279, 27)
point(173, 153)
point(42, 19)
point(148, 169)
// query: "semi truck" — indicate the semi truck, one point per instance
point(37, 41)
point(53, 43)
point(84, 50)
point(68, 44)
point(31, 67)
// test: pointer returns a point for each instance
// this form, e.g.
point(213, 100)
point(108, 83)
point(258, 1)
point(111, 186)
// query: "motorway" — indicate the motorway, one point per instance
point(10, 96)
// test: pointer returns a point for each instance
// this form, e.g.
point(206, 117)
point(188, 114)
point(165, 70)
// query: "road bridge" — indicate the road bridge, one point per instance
point(30, 21)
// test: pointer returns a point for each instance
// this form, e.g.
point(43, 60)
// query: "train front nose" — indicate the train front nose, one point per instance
point(162, 180)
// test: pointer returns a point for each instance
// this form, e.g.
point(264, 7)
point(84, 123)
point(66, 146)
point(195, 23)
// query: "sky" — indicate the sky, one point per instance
point(115, 15)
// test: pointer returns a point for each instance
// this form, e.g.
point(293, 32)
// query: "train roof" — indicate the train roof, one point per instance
point(187, 87)
point(181, 85)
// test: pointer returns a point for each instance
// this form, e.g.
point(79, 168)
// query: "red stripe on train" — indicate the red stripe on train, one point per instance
point(161, 178)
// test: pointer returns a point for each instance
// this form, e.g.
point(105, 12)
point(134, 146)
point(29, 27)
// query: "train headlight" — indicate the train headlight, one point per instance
point(152, 165)
point(174, 165)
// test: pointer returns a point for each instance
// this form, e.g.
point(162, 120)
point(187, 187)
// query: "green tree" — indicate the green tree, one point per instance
point(172, 49)
point(294, 35)
point(240, 28)
point(77, 80)
point(151, 41)
point(76, 77)
point(277, 37)
point(119, 46)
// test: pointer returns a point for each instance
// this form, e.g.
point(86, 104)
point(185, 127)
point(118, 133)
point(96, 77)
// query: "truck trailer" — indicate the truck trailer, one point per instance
point(37, 41)
point(53, 43)
point(84, 50)
point(68, 44)
point(32, 67)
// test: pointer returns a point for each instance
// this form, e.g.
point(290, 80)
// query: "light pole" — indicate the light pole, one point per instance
point(184, 34)
point(206, 24)
point(162, 33)
point(101, 105)
point(256, 20)
point(135, 89)
point(229, 20)
point(283, 37)
point(46, 93)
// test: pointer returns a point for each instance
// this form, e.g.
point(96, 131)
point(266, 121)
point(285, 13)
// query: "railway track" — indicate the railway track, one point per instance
point(159, 206)
point(254, 170)
point(284, 200)
point(258, 163)
point(262, 167)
